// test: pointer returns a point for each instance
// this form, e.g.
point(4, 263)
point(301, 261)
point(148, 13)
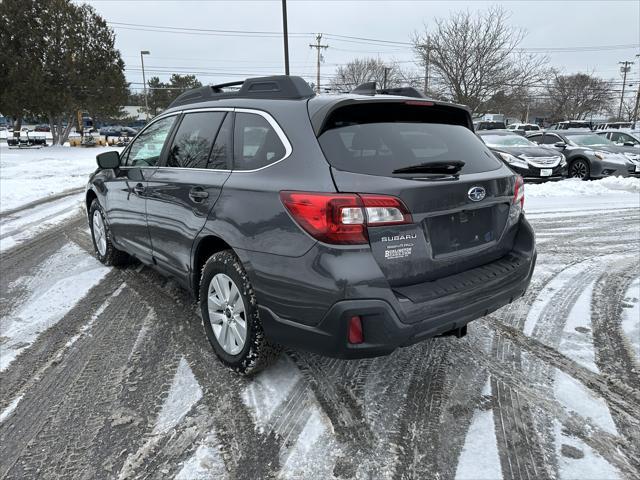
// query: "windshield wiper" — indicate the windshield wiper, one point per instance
point(444, 168)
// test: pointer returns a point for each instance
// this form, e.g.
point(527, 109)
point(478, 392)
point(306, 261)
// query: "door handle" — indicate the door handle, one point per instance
point(197, 194)
point(139, 189)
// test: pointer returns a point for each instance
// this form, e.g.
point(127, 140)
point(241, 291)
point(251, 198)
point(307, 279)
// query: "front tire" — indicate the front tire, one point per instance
point(579, 169)
point(101, 236)
point(230, 316)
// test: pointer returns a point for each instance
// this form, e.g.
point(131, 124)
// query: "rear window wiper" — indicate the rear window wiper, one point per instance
point(444, 168)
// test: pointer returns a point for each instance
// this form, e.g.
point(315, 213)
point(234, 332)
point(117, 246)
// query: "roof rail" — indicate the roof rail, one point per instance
point(369, 88)
point(276, 87)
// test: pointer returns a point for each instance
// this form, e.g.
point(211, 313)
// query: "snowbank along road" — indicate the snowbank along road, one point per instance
point(106, 373)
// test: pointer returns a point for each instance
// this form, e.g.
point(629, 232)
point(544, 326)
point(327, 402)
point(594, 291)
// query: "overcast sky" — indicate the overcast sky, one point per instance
point(610, 27)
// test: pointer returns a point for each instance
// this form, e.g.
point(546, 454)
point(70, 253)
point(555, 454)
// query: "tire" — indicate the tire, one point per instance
point(223, 320)
point(579, 169)
point(102, 245)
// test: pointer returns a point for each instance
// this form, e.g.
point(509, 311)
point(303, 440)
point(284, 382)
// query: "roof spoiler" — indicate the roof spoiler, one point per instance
point(276, 87)
point(369, 88)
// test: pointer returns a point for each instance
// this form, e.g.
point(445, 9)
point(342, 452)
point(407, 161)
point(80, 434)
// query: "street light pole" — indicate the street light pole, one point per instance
point(144, 81)
point(286, 37)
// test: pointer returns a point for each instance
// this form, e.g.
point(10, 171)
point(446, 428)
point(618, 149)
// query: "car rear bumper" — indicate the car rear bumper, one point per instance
point(413, 313)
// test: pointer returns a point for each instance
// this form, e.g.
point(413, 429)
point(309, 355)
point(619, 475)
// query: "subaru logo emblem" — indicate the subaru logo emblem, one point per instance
point(476, 194)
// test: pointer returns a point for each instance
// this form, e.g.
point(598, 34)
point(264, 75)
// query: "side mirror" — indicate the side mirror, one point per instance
point(628, 144)
point(108, 160)
point(561, 145)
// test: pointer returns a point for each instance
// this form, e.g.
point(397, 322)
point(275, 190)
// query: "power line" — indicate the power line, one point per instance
point(347, 38)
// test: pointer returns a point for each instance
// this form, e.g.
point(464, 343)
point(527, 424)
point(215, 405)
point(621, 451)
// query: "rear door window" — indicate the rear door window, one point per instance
point(256, 143)
point(380, 142)
point(194, 138)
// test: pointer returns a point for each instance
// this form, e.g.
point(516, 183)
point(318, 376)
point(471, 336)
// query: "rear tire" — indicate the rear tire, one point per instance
point(230, 316)
point(579, 169)
point(101, 236)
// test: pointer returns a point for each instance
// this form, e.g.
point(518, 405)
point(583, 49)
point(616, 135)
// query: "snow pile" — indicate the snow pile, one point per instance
point(27, 175)
point(574, 187)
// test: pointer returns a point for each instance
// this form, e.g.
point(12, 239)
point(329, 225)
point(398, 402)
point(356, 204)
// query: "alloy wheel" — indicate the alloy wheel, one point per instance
point(578, 170)
point(227, 313)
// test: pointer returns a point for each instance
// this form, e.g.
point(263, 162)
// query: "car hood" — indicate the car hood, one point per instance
point(625, 153)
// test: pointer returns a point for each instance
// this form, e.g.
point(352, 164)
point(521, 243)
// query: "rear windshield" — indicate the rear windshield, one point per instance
point(380, 143)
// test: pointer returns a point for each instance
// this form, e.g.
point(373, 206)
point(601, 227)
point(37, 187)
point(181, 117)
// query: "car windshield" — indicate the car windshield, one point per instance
point(507, 141)
point(589, 140)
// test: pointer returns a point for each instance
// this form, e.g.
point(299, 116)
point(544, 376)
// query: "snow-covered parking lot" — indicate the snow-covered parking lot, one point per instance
point(105, 373)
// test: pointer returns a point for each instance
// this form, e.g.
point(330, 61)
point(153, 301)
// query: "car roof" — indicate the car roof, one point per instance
point(281, 92)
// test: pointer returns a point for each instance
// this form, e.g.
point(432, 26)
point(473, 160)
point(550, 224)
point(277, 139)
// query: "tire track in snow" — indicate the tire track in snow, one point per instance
point(540, 453)
point(51, 198)
point(345, 410)
point(524, 446)
point(245, 451)
point(614, 356)
point(605, 444)
point(74, 401)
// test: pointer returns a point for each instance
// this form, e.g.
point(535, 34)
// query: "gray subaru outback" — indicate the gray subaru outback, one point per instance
point(346, 225)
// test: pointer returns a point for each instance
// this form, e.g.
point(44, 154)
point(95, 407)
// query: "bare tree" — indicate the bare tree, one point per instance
point(473, 56)
point(578, 96)
point(512, 102)
point(363, 70)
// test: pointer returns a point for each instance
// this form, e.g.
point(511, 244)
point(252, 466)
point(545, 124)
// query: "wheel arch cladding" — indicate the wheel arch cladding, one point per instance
point(205, 247)
point(91, 196)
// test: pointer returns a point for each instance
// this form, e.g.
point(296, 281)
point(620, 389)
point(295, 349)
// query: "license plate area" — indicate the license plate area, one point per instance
point(546, 172)
point(467, 229)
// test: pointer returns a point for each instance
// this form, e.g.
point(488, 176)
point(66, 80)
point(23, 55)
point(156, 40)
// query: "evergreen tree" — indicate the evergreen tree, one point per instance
point(66, 61)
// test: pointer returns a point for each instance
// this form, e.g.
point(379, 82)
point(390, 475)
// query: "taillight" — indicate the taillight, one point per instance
point(343, 218)
point(518, 192)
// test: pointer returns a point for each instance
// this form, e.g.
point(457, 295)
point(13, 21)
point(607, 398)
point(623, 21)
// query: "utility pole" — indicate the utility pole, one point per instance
point(286, 37)
point(635, 109)
point(144, 81)
point(626, 66)
point(386, 72)
point(427, 59)
point(318, 46)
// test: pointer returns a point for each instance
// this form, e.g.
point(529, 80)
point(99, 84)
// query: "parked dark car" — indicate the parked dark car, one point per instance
point(588, 155)
point(118, 131)
point(43, 127)
point(526, 158)
point(346, 225)
point(488, 125)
